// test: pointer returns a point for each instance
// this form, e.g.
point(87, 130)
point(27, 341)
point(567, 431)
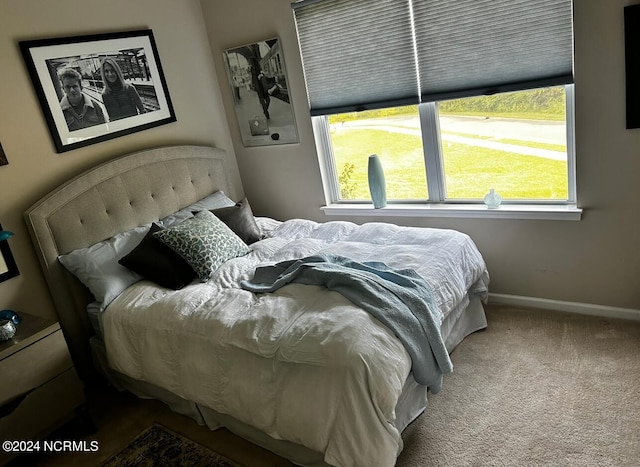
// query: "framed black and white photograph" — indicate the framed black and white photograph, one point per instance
point(632, 64)
point(98, 87)
point(258, 80)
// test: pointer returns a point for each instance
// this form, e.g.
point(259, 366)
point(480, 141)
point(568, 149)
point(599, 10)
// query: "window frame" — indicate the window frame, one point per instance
point(437, 205)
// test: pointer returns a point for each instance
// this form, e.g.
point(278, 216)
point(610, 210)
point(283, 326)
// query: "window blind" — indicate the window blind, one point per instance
point(365, 54)
point(357, 54)
point(468, 48)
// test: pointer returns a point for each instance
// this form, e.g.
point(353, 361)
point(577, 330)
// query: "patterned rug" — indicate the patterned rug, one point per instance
point(159, 446)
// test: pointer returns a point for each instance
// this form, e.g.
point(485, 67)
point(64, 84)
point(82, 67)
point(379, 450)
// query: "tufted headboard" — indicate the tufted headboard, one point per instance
point(113, 197)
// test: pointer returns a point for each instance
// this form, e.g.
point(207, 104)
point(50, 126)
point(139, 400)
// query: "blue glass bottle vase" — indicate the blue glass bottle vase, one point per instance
point(492, 199)
point(377, 186)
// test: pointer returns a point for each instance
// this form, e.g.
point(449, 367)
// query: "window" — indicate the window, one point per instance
point(394, 134)
point(455, 96)
point(456, 150)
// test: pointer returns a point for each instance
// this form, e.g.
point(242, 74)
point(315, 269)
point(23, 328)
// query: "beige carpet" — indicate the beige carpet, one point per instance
point(536, 388)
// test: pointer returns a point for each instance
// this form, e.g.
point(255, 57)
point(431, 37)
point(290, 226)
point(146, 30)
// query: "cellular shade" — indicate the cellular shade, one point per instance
point(473, 47)
point(366, 54)
point(357, 54)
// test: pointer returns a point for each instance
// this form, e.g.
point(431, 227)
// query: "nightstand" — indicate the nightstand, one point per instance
point(39, 387)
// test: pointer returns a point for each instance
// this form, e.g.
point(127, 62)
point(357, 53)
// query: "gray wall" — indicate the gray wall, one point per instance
point(591, 261)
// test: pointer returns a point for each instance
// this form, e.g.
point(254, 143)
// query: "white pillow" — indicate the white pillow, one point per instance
point(97, 266)
point(213, 201)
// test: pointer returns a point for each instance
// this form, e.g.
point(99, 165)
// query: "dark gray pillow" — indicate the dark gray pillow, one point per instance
point(158, 263)
point(239, 218)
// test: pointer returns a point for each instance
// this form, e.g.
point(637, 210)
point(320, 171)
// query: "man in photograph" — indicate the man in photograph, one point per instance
point(80, 111)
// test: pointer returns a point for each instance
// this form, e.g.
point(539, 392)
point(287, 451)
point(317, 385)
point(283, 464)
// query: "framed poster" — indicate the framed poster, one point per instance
point(98, 87)
point(258, 79)
point(632, 64)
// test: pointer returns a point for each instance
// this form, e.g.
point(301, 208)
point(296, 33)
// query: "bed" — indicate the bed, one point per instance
point(300, 369)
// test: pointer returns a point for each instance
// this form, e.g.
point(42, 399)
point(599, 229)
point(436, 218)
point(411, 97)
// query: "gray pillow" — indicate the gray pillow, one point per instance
point(204, 241)
point(97, 266)
point(239, 218)
point(213, 201)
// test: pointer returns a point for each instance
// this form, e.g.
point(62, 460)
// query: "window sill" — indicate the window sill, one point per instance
point(508, 211)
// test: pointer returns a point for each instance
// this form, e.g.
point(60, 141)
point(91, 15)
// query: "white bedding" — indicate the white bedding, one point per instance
point(302, 364)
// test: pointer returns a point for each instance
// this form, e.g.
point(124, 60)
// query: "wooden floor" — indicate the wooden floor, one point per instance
point(120, 416)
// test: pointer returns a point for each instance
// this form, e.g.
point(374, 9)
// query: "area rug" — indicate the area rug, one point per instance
point(159, 446)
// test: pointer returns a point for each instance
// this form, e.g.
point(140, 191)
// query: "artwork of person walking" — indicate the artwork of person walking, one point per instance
point(259, 85)
point(79, 110)
point(119, 97)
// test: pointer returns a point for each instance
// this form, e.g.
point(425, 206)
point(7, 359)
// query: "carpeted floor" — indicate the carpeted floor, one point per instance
point(537, 388)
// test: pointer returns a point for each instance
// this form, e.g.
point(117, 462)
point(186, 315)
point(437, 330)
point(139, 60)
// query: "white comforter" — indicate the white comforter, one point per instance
point(302, 364)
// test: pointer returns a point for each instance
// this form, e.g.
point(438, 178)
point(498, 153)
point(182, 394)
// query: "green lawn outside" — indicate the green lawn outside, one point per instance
point(471, 171)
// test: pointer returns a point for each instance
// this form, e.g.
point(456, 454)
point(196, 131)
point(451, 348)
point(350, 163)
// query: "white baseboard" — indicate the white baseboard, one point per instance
point(571, 307)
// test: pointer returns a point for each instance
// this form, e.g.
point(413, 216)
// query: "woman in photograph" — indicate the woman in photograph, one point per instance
point(120, 98)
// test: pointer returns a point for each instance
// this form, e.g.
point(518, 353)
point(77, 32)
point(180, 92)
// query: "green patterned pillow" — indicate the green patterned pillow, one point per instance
point(204, 241)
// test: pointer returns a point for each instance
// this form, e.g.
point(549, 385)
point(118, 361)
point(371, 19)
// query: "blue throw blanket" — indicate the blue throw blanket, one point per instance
point(400, 299)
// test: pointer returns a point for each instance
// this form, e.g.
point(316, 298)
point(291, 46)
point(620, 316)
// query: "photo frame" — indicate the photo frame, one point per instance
point(8, 266)
point(259, 85)
point(122, 86)
point(3, 156)
point(632, 64)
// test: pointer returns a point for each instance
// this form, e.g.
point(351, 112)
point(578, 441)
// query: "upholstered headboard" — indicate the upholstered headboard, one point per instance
point(113, 197)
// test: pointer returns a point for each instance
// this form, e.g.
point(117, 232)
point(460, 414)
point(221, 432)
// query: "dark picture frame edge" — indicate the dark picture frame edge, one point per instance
point(12, 267)
point(26, 46)
point(3, 156)
point(632, 64)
